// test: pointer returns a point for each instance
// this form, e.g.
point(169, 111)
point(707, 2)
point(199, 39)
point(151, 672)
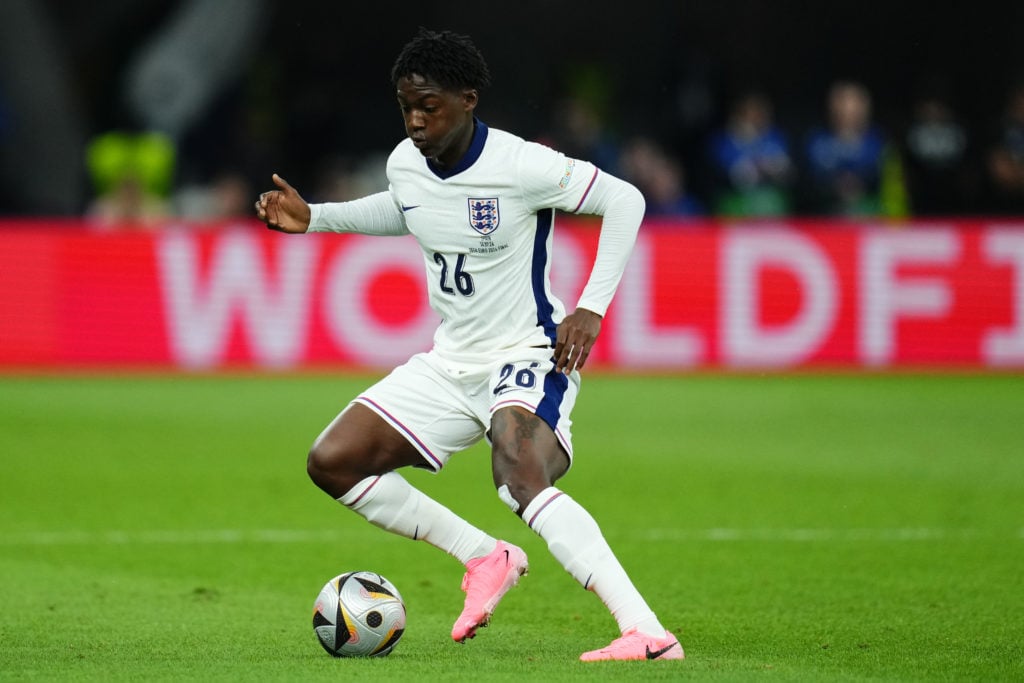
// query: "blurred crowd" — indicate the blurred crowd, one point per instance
point(133, 114)
point(847, 164)
point(748, 165)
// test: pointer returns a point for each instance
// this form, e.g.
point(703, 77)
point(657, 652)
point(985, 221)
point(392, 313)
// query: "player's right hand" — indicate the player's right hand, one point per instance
point(574, 339)
point(283, 209)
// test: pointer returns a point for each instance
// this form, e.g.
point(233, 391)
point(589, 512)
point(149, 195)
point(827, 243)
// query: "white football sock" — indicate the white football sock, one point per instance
point(576, 541)
point(392, 503)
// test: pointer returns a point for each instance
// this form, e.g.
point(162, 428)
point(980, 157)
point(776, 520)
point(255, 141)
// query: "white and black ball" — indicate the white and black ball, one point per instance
point(359, 614)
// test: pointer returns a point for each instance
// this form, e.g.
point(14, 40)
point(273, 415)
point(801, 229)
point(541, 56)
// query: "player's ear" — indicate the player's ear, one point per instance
point(470, 97)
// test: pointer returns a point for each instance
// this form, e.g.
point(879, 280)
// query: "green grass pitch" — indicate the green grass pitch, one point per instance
point(794, 527)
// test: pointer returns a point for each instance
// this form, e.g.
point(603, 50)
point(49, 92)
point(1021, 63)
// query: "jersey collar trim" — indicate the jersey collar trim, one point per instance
point(476, 148)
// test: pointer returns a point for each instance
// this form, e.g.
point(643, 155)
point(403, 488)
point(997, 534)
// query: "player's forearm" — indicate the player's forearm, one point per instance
point(622, 207)
point(375, 214)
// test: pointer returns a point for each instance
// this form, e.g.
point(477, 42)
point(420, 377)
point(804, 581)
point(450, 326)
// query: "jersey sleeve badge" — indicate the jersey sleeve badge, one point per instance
point(570, 164)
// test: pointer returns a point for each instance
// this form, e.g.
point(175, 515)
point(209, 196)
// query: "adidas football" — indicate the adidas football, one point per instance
point(359, 614)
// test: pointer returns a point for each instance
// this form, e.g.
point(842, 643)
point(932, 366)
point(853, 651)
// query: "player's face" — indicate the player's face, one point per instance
point(438, 121)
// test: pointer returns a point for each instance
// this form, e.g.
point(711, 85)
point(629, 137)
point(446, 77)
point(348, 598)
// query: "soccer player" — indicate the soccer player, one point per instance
point(506, 357)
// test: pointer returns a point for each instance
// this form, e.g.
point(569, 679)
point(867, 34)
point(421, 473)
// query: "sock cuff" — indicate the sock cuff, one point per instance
point(541, 502)
point(359, 491)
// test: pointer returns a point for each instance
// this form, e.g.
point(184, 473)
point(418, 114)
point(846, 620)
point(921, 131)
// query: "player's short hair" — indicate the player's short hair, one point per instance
point(449, 59)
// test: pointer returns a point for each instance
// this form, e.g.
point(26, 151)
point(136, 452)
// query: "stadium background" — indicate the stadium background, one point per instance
point(292, 84)
point(200, 91)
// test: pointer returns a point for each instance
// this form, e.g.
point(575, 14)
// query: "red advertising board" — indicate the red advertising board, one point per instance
point(782, 295)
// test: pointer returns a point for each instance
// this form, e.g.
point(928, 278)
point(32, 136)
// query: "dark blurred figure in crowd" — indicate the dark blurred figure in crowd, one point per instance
point(939, 173)
point(751, 161)
point(342, 178)
point(844, 159)
point(692, 113)
point(661, 178)
point(226, 196)
point(580, 131)
point(1006, 157)
point(6, 203)
point(128, 206)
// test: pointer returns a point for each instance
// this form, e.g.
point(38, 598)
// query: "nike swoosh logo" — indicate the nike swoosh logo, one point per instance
point(506, 558)
point(409, 208)
point(658, 653)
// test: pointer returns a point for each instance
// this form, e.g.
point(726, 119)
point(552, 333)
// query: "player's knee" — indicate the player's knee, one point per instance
point(318, 464)
point(325, 465)
point(520, 474)
point(504, 458)
point(336, 463)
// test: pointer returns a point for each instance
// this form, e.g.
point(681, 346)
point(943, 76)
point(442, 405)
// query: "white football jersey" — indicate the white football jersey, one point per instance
point(485, 228)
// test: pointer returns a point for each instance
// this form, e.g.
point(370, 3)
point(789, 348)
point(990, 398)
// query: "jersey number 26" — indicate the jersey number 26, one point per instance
point(462, 280)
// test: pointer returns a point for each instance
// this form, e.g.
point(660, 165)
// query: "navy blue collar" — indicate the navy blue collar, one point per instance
point(476, 148)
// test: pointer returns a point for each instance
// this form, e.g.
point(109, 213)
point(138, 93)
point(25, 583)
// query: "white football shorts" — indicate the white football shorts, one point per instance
point(442, 406)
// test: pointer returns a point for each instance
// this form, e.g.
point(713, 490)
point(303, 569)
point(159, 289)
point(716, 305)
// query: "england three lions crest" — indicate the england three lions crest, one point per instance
point(483, 214)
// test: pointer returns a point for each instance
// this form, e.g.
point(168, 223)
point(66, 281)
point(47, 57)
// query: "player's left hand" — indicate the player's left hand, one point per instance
point(575, 337)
